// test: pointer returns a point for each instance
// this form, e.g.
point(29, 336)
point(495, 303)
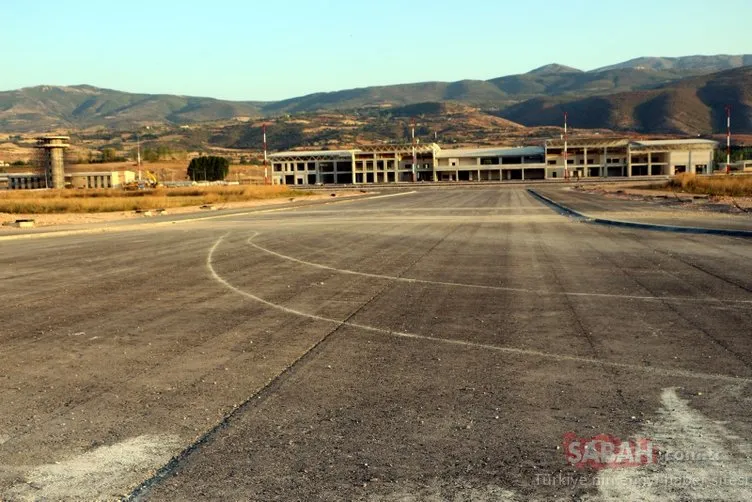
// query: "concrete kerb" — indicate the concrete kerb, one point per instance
point(136, 226)
point(559, 208)
point(567, 211)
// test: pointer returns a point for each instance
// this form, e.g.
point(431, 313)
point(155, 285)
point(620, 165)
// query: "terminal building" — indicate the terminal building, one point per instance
point(595, 157)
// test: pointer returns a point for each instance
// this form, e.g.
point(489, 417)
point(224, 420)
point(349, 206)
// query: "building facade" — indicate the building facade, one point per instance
point(99, 179)
point(600, 157)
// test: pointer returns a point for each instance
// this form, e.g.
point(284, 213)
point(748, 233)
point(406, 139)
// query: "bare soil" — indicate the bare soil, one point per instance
point(678, 200)
point(45, 220)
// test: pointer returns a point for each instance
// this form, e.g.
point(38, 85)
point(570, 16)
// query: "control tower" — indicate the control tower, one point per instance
point(52, 149)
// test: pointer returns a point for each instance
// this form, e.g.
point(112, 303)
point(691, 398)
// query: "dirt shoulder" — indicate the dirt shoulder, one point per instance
point(671, 199)
point(48, 220)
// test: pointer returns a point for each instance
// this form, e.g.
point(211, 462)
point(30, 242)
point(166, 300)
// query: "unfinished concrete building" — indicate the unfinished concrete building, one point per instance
point(621, 157)
point(98, 179)
point(374, 164)
point(602, 157)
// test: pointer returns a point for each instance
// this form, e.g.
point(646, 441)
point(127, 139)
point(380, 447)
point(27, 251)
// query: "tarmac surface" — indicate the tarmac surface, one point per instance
point(431, 345)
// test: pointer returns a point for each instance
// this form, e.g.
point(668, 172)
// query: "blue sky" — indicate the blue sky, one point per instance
point(277, 49)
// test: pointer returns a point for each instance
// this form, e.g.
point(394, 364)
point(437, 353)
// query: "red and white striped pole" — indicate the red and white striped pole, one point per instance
point(728, 139)
point(266, 169)
point(566, 153)
point(415, 157)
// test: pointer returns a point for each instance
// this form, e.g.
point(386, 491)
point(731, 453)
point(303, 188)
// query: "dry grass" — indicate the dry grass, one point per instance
point(735, 186)
point(99, 201)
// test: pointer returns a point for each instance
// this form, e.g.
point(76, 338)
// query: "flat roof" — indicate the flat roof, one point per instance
point(660, 142)
point(314, 153)
point(97, 173)
point(491, 152)
point(612, 141)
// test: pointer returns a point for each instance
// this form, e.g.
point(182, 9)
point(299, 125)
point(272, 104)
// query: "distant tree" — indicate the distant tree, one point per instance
point(109, 155)
point(208, 168)
point(19, 163)
point(243, 160)
point(150, 155)
point(163, 152)
point(737, 153)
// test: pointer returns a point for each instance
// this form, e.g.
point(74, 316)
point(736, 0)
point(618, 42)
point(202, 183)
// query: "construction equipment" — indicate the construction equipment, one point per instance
point(150, 181)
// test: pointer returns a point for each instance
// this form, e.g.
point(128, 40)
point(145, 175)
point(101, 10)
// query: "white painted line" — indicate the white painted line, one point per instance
point(484, 287)
point(509, 350)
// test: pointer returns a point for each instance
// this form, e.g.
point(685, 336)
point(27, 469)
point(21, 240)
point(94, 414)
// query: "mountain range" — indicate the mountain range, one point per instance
point(650, 94)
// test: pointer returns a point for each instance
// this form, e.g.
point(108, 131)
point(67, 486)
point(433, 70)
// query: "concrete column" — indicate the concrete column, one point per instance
point(523, 173)
point(650, 163)
point(318, 171)
point(585, 163)
point(604, 163)
point(478, 175)
point(629, 161)
point(690, 166)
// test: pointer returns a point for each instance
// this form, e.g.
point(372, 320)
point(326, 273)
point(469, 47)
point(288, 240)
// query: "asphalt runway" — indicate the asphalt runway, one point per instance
point(434, 345)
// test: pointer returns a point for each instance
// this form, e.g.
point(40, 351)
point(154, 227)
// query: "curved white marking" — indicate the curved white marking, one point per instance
point(481, 286)
point(509, 350)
